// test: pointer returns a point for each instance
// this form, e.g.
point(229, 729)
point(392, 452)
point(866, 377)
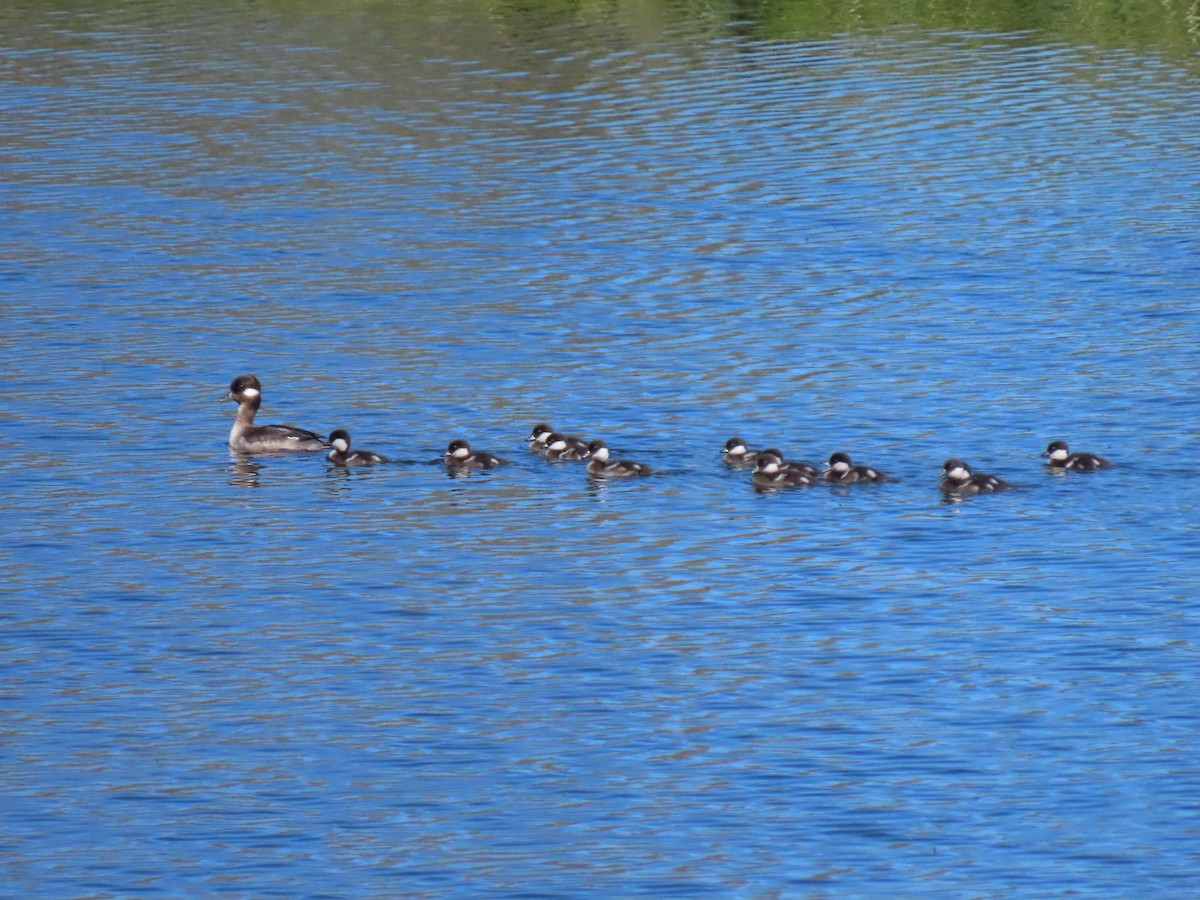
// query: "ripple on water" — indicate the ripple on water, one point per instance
point(900, 244)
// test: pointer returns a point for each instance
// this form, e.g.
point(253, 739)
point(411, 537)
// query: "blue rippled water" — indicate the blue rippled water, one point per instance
point(269, 677)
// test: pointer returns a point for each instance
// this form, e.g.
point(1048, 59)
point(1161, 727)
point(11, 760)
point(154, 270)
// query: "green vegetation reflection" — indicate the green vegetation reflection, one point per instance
point(1171, 27)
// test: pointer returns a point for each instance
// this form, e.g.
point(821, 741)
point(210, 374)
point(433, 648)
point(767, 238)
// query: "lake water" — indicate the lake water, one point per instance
point(661, 224)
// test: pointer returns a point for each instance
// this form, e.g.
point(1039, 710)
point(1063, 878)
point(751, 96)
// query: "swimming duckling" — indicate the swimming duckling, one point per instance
point(771, 472)
point(560, 446)
point(808, 470)
point(599, 463)
point(459, 455)
point(342, 455)
point(735, 453)
point(959, 481)
point(1060, 457)
point(538, 436)
point(842, 471)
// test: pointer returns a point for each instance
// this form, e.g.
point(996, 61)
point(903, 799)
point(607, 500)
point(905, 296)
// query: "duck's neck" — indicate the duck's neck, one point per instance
point(245, 416)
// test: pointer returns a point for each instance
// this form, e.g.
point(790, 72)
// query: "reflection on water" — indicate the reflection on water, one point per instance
point(243, 471)
point(658, 224)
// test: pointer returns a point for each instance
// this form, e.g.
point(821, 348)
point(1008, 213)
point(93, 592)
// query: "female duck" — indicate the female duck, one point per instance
point(246, 437)
point(959, 481)
point(459, 455)
point(342, 455)
point(1060, 457)
point(600, 465)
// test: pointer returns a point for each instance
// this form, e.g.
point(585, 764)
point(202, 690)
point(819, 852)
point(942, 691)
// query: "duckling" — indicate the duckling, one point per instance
point(600, 465)
point(735, 453)
point(808, 470)
point(959, 481)
point(342, 455)
point(1060, 457)
point(459, 455)
point(560, 446)
point(771, 472)
point(842, 471)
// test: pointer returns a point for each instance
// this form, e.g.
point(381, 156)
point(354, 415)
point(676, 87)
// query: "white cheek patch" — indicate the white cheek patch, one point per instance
point(250, 392)
point(958, 473)
point(461, 453)
point(840, 467)
point(771, 468)
point(340, 446)
point(1058, 455)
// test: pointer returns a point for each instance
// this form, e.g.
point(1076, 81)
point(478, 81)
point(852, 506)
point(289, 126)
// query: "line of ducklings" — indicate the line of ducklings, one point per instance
point(544, 441)
point(770, 470)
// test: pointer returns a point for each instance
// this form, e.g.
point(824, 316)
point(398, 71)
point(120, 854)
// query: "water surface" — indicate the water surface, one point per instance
point(904, 238)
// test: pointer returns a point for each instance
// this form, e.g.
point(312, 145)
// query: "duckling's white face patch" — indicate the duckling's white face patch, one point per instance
point(1058, 454)
point(461, 453)
point(840, 466)
point(250, 392)
point(770, 467)
point(958, 473)
point(341, 445)
point(600, 453)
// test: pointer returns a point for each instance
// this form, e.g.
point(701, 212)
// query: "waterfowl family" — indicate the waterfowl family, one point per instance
point(770, 469)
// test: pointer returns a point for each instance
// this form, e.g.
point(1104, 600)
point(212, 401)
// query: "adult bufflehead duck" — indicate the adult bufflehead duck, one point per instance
point(459, 455)
point(770, 471)
point(736, 453)
point(342, 455)
point(560, 446)
point(600, 464)
point(842, 471)
point(246, 437)
point(1060, 457)
point(959, 481)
